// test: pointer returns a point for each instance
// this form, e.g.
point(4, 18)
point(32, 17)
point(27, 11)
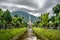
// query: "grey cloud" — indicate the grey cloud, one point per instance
point(31, 3)
point(57, 1)
point(6, 7)
point(13, 8)
point(48, 5)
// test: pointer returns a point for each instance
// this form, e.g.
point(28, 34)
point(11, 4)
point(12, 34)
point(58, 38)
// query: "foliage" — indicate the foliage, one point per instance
point(56, 9)
point(9, 21)
point(54, 21)
point(1, 12)
point(43, 20)
point(7, 16)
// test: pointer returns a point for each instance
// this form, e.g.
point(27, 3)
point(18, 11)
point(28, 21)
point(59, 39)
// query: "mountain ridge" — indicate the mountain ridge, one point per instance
point(25, 15)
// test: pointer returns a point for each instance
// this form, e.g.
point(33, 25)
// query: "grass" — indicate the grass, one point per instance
point(51, 34)
point(9, 33)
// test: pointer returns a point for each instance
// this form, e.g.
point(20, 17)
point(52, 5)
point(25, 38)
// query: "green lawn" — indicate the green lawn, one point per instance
point(8, 34)
point(51, 34)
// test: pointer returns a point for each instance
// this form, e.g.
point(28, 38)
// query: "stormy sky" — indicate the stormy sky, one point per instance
point(34, 7)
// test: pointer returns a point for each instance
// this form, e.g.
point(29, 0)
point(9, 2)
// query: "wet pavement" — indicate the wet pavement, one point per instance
point(29, 35)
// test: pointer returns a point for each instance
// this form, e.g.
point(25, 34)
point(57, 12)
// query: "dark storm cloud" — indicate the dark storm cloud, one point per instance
point(46, 7)
point(29, 3)
point(57, 1)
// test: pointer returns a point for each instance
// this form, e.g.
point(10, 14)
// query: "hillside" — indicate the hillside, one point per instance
point(25, 15)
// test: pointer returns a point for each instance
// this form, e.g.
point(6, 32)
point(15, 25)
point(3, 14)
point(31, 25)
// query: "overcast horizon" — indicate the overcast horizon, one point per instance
point(34, 7)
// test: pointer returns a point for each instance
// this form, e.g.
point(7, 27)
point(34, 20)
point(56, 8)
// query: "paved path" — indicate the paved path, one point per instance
point(29, 35)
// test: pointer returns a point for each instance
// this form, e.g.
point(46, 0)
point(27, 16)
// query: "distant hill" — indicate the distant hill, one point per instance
point(25, 15)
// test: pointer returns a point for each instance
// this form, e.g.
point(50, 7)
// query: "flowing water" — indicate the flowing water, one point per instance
point(29, 35)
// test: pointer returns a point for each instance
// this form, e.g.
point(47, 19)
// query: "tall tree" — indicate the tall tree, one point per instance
point(1, 12)
point(2, 23)
point(56, 9)
point(8, 18)
point(44, 19)
point(57, 20)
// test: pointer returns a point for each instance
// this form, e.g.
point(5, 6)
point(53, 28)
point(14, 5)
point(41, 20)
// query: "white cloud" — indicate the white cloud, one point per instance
point(15, 5)
point(40, 3)
point(35, 14)
point(34, 7)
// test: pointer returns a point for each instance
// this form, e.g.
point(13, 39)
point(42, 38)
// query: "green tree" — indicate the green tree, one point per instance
point(1, 12)
point(56, 9)
point(57, 20)
point(51, 21)
point(8, 18)
point(44, 19)
point(20, 20)
point(17, 21)
point(2, 23)
point(15, 15)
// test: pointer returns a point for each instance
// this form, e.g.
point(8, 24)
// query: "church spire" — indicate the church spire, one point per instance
point(29, 22)
point(29, 17)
